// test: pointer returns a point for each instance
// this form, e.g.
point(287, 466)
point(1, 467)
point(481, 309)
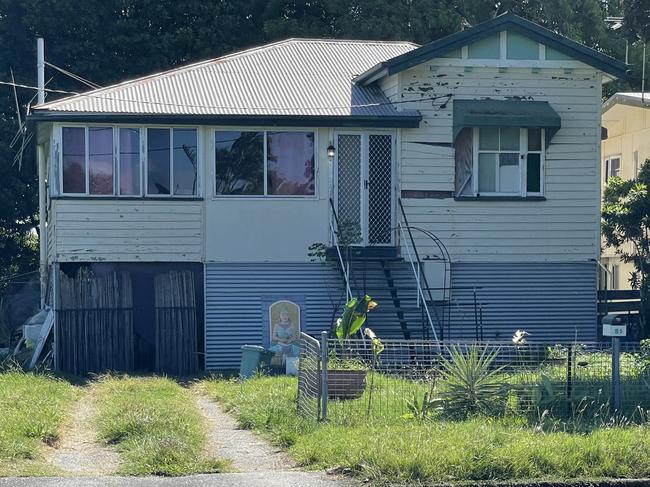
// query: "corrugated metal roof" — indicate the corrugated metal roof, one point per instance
point(635, 99)
point(296, 77)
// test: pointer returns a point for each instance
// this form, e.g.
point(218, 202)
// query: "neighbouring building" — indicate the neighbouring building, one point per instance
point(458, 183)
point(625, 146)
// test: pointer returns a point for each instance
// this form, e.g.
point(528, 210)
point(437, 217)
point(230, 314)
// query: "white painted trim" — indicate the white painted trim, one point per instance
point(507, 63)
point(542, 52)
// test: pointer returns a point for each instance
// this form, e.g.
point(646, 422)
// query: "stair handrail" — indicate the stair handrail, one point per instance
point(345, 269)
point(416, 271)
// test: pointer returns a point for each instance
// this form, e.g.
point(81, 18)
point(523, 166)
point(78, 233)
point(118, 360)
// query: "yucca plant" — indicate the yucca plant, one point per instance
point(471, 384)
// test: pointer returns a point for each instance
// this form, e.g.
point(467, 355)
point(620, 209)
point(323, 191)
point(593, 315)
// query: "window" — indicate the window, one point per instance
point(171, 161)
point(87, 160)
point(264, 163)
point(108, 161)
point(612, 167)
point(508, 161)
point(129, 144)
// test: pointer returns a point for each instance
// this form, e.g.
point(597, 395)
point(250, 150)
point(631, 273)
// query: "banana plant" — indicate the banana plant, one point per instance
point(354, 316)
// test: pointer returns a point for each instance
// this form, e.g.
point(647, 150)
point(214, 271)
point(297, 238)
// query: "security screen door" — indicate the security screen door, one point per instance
point(364, 184)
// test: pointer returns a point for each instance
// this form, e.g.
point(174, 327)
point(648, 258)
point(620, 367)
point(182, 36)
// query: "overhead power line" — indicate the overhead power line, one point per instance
point(73, 76)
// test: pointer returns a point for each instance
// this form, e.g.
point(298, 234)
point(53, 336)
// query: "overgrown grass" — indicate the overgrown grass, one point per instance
point(32, 409)
point(155, 425)
point(399, 450)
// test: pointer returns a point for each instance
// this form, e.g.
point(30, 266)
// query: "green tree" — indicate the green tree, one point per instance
point(626, 227)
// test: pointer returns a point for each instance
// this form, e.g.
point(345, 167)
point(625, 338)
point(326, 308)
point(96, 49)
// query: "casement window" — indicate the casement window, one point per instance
point(508, 161)
point(171, 162)
point(109, 161)
point(259, 163)
point(505, 161)
point(612, 167)
point(87, 160)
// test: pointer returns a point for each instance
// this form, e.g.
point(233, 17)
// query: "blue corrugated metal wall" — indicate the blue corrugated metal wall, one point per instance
point(237, 295)
point(551, 301)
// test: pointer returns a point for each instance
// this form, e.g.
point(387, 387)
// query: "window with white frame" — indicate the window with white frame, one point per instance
point(508, 161)
point(264, 163)
point(612, 167)
point(108, 161)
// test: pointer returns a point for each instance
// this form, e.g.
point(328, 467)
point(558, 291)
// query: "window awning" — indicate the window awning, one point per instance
point(505, 113)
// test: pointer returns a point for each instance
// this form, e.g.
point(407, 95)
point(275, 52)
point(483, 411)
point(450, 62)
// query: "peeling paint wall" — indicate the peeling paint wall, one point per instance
point(563, 228)
point(128, 230)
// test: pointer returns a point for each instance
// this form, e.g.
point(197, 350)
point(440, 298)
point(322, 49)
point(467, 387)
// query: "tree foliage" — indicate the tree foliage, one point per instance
point(108, 41)
point(626, 227)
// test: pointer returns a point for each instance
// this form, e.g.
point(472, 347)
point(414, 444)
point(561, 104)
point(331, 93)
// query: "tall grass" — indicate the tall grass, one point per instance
point(394, 449)
point(32, 409)
point(155, 425)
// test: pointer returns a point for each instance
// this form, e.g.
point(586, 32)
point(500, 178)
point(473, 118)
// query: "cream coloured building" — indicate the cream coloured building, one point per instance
point(626, 117)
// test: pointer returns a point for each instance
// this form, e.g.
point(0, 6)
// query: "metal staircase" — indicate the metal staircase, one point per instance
point(407, 307)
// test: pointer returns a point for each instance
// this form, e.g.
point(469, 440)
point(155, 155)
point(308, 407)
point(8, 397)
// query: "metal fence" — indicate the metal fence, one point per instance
point(420, 378)
point(309, 378)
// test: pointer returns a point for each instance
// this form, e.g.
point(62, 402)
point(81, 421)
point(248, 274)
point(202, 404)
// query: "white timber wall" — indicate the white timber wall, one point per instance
point(563, 228)
point(127, 230)
point(272, 228)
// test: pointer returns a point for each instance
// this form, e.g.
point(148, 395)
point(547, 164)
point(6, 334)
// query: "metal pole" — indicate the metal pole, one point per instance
point(324, 355)
point(616, 374)
point(40, 68)
point(569, 377)
point(475, 316)
point(643, 75)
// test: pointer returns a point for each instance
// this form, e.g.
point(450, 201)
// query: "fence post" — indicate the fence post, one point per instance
point(616, 374)
point(569, 378)
point(324, 353)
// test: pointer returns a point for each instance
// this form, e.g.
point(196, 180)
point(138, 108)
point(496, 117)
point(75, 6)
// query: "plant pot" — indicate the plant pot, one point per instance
point(345, 384)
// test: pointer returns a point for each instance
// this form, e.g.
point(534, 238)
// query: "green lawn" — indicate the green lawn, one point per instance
point(394, 449)
point(32, 409)
point(155, 425)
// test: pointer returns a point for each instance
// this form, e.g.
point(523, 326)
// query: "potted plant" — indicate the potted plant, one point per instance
point(347, 375)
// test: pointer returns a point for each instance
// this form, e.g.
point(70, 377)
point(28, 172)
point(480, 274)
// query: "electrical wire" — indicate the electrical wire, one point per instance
point(74, 76)
point(180, 105)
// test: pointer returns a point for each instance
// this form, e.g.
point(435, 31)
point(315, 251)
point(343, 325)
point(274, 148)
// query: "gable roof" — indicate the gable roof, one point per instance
point(506, 21)
point(633, 99)
point(294, 81)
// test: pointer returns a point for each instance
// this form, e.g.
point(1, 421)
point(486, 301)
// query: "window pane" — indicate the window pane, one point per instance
point(510, 138)
point(509, 173)
point(290, 157)
point(130, 161)
point(533, 173)
point(487, 173)
point(488, 139)
point(74, 160)
point(240, 162)
point(535, 139)
point(100, 160)
point(158, 161)
point(185, 161)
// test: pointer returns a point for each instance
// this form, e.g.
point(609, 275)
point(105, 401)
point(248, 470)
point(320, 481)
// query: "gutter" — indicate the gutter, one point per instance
point(402, 120)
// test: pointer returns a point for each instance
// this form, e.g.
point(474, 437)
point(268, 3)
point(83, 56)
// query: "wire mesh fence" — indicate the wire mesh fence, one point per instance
point(309, 378)
point(420, 378)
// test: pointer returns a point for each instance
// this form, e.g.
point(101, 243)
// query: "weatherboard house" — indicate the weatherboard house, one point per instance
point(241, 199)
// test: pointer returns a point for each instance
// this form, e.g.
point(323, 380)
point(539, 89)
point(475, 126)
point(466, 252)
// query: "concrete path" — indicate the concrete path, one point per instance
point(78, 451)
point(247, 452)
